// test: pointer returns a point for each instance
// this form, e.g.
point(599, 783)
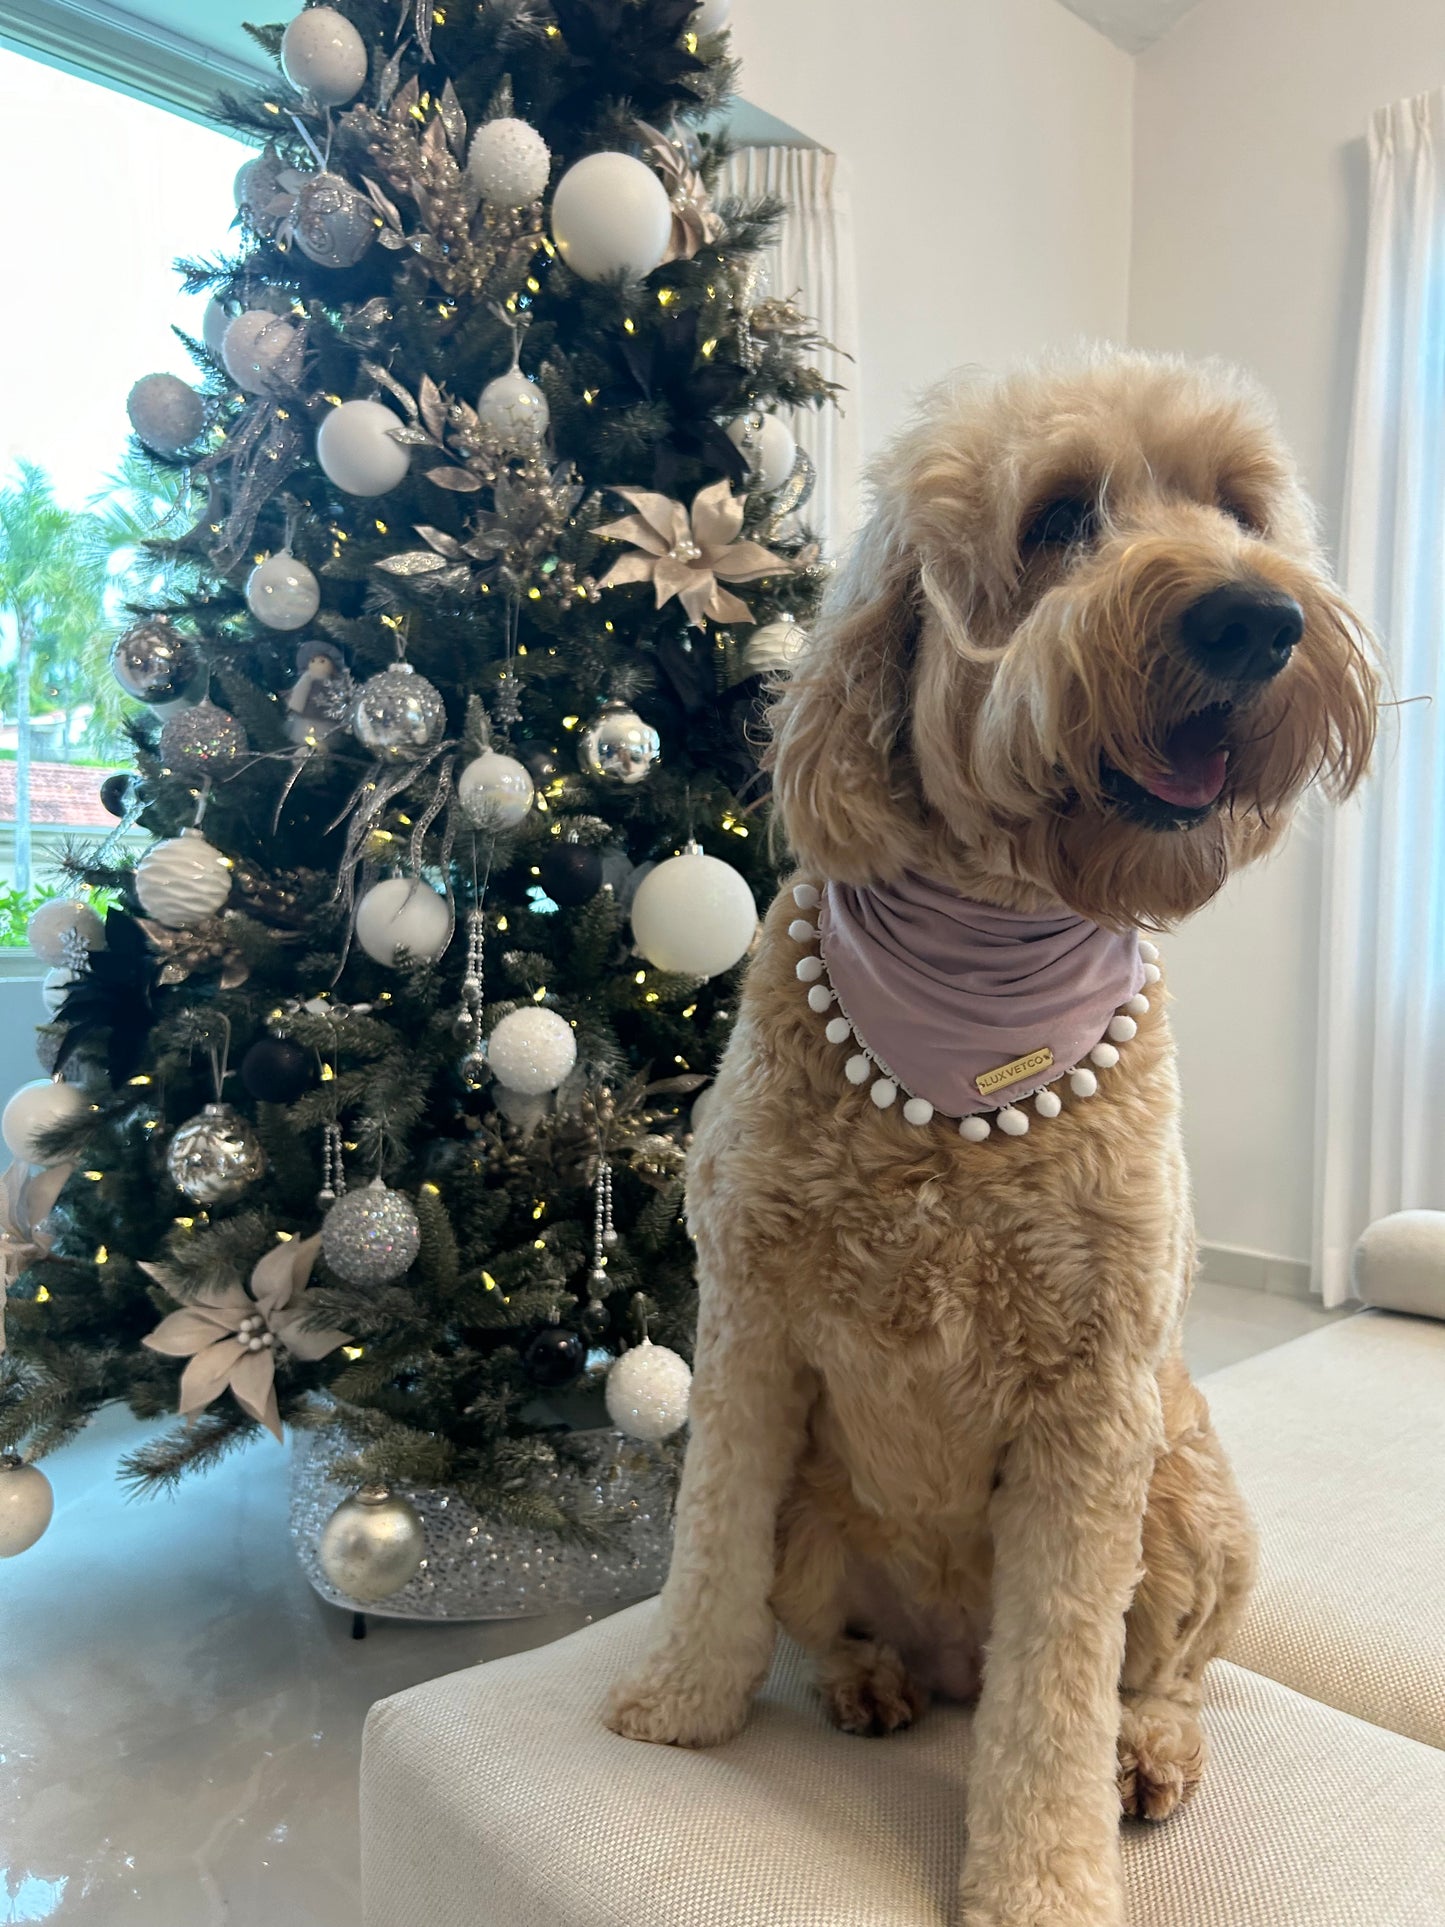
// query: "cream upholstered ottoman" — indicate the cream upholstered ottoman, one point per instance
point(497, 1798)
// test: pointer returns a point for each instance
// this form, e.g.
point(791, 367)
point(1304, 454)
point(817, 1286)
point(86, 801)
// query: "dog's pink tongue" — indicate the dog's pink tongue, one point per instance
point(1198, 763)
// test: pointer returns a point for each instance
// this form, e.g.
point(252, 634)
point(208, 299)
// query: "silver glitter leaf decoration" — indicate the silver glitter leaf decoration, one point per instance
point(432, 406)
point(460, 481)
point(453, 120)
point(412, 562)
point(439, 540)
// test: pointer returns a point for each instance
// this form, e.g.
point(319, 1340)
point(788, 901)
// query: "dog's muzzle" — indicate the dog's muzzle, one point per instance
point(1242, 633)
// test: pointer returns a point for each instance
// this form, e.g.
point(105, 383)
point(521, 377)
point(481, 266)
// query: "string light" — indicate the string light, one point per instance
point(102, 1256)
point(42, 1297)
point(353, 1352)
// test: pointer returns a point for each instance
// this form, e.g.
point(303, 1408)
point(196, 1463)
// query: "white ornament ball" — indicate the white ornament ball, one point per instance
point(182, 881)
point(711, 17)
point(509, 163)
point(515, 409)
point(648, 1391)
point(35, 1109)
point(214, 325)
point(354, 445)
point(26, 1505)
point(611, 218)
point(403, 913)
point(695, 915)
point(62, 928)
point(323, 55)
point(282, 592)
point(769, 447)
point(254, 347)
point(495, 791)
point(55, 988)
point(775, 646)
point(371, 1237)
point(532, 1050)
point(372, 1544)
point(166, 413)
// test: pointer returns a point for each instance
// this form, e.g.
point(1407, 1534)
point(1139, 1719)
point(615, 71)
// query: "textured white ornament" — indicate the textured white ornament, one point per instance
point(35, 1109)
point(323, 55)
point(370, 1237)
point(711, 17)
point(354, 446)
point(495, 791)
point(372, 1544)
point(694, 914)
point(331, 223)
point(515, 409)
point(768, 446)
point(973, 1129)
point(532, 1050)
point(166, 413)
point(63, 927)
point(403, 913)
point(214, 1156)
point(282, 592)
point(611, 218)
point(509, 163)
point(182, 881)
point(648, 1391)
point(399, 714)
point(1048, 1103)
point(775, 647)
point(26, 1505)
point(253, 348)
point(55, 987)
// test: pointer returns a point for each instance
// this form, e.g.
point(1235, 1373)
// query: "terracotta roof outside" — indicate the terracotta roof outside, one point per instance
point(61, 793)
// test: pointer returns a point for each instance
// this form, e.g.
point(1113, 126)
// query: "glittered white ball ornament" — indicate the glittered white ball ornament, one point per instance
point(203, 740)
point(182, 881)
point(768, 446)
point(399, 714)
point(254, 349)
point(62, 929)
point(371, 1236)
point(694, 914)
point(531, 1050)
point(775, 646)
point(35, 1109)
point(166, 413)
point(354, 446)
point(26, 1505)
point(611, 218)
point(648, 1391)
point(495, 791)
point(323, 55)
point(282, 592)
point(403, 913)
point(515, 409)
point(371, 1545)
point(509, 163)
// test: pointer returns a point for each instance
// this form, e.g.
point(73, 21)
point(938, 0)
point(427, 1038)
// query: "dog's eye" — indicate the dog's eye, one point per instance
point(1237, 512)
point(1060, 524)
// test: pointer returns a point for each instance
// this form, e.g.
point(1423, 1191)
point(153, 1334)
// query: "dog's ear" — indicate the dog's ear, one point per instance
point(839, 755)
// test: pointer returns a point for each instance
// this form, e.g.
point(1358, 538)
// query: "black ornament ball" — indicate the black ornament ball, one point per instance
point(540, 760)
point(554, 1357)
point(115, 792)
point(571, 873)
point(278, 1071)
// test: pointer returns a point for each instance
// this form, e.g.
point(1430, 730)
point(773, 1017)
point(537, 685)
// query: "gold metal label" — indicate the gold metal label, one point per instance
point(1037, 1060)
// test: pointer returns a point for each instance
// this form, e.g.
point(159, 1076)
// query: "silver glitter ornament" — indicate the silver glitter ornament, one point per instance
point(399, 714)
point(371, 1237)
point(372, 1544)
point(215, 1156)
point(619, 745)
point(331, 223)
point(153, 662)
point(204, 741)
point(648, 1392)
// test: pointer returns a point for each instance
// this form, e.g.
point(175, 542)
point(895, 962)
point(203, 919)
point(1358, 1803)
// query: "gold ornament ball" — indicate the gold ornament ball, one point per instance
point(372, 1544)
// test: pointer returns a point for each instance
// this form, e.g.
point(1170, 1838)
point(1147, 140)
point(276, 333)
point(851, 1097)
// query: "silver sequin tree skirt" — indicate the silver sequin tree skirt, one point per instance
point(478, 1568)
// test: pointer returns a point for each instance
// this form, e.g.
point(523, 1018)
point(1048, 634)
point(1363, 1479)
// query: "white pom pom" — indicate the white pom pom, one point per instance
point(858, 1069)
point(819, 997)
point(839, 1030)
point(1123, 1030)
point(1048, 1103)
point(1152, 973)
point(883, 1092)
point(918, 1110)
point(801, 931)
point(1149, 951)
point(805, 896)
point(810, 970)
point(1083, 1083)
point(975, 1129)
point(1013, 1123)
point(1138, 1006)
point(1105, 1056)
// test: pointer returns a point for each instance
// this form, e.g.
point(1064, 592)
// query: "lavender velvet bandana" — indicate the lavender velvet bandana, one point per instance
point(941, 990)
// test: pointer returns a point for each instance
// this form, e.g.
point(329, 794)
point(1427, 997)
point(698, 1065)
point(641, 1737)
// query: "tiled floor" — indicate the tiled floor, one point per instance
point(180, 1717)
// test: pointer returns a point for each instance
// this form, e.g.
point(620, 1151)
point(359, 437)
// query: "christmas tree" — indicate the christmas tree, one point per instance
point(375, 1081)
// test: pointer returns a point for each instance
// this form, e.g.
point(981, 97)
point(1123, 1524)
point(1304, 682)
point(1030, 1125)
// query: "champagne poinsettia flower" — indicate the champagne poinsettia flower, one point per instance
point(690, 557)
point(231, 1337)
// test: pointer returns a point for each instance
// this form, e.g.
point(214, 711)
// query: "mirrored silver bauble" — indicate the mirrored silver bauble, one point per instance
point(371, 1237)
point(203, 741)
point(399, 714)
point(618, 744)
point(372, 1544)
point(331, 223)
point(153, 662)
point(215, 1156)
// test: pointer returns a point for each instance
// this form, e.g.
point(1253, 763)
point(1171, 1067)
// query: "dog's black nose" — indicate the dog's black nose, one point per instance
point(1242, 633)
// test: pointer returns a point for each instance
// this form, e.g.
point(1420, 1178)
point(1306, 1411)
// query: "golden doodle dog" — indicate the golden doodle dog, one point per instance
point(1084, 661)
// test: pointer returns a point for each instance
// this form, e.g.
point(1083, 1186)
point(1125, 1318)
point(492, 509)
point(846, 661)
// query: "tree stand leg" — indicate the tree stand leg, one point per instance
point(358, 1625)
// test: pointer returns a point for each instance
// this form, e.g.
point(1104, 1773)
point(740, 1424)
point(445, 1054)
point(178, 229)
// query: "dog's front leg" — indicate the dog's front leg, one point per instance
point(716, 1629)
point(1043, 1811)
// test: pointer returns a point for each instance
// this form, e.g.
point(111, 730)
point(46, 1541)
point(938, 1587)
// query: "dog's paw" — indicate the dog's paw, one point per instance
point(1162, 1751)
point(870, 1691)
point(672, 1707)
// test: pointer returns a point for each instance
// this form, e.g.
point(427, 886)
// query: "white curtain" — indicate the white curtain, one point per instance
point(1381, 1135)
point(813, 260)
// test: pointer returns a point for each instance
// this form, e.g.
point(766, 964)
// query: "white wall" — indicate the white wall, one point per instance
point(1249, 215)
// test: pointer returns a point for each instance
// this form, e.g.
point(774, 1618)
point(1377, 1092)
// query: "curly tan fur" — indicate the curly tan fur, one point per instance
point(940, 1424)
